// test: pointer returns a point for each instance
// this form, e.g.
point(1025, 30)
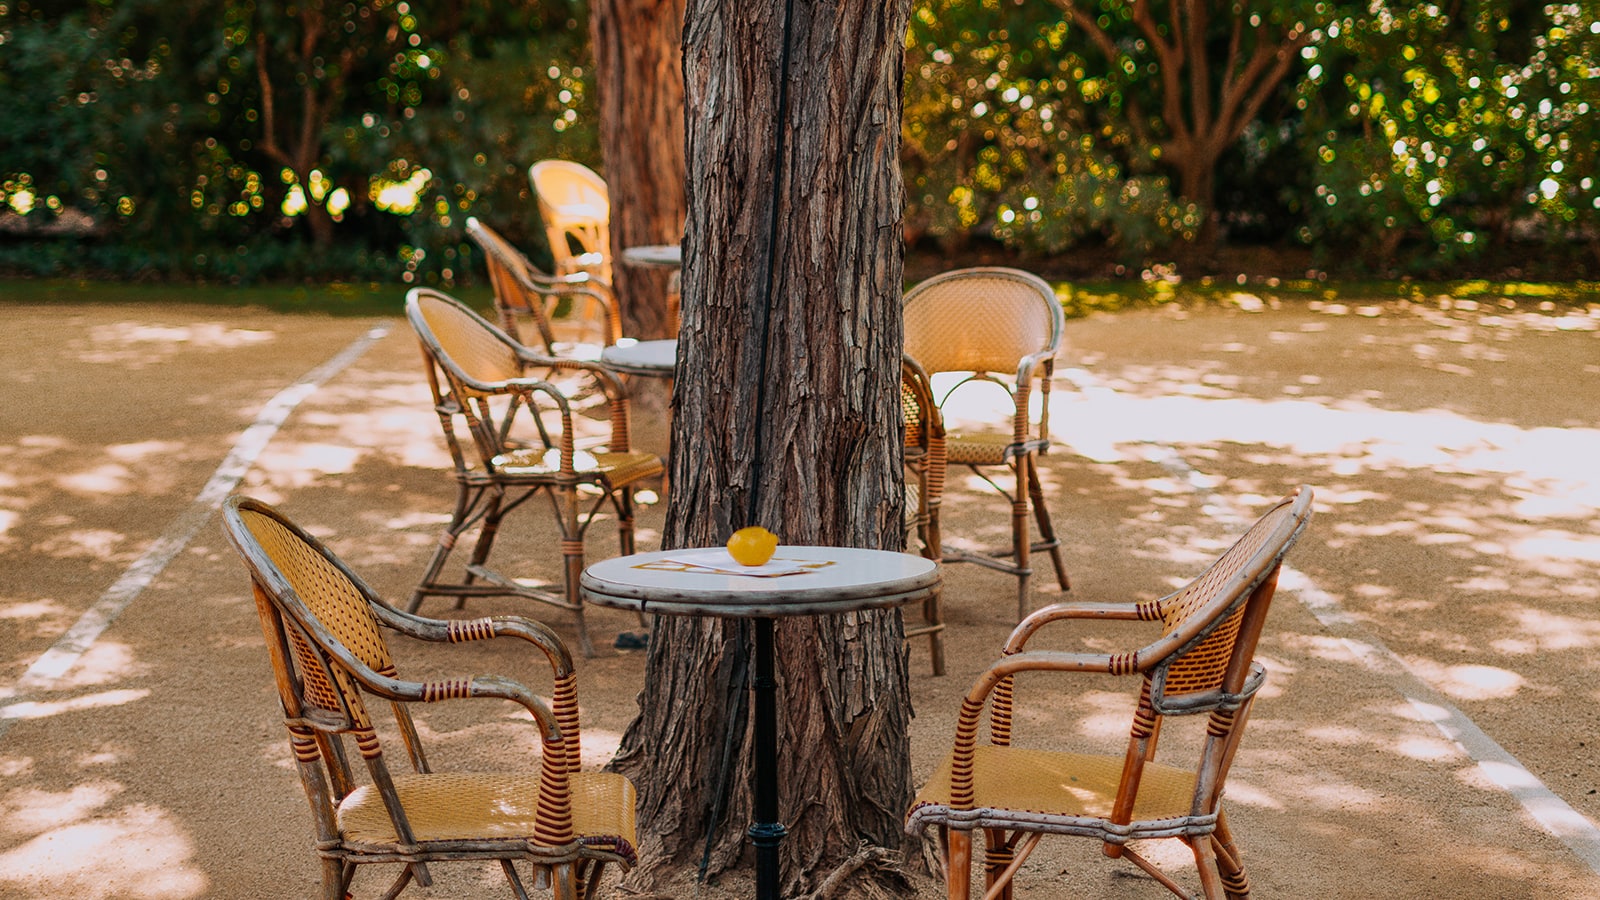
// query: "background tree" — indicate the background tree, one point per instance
point(639, 73)
point(788, 417)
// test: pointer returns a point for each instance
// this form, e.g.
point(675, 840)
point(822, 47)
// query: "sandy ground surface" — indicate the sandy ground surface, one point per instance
point(1433, 651)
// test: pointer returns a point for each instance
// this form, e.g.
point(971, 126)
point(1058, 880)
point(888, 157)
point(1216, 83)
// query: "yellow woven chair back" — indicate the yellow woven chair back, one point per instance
point(467, 341)
point(576, 206)
point(338, 606)
point(1201, 669)
point(511, 275)
point(980, 320)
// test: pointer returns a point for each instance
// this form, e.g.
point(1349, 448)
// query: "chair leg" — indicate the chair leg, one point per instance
point(958, 876)
point(1021, 543)
point(572, 556)
point(933, 615)
point(997, 858)
point(1235, 884)
point(1205, 859)
point(563, 882)
point(467, 499)
point(333, 880)
point(1047, 529)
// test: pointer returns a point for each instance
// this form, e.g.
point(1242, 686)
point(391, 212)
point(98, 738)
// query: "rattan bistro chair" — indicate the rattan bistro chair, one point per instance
point(511, 439)
point(522, 291)
point(324, 631)
point(1002, 327)
point(576, 207)
point(924, 455)
point(1202, 662)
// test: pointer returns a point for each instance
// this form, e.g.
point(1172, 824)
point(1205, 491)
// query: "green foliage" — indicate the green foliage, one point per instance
point(239, 140)
point(1407, 137)
point(1007, 135)
point(1449, 133)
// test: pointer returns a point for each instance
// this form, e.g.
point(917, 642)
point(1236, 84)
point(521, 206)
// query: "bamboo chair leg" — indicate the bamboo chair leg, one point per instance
point(999, 861)
point(1021, 543)
point(488, 530)
point(515, 879)
point(333, 883)
point(1047, 528)
point(1205, 859)
point(933, 615)
point(1234, 881)
point(572, 556)
point(466, 501)
point(563, 882)
point(958, 876)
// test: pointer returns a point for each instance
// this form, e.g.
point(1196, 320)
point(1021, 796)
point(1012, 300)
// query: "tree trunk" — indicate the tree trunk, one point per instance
point(639, 69)
point(787, 416)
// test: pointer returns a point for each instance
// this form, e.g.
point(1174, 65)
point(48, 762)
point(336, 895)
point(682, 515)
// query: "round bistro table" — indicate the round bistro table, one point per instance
point(836, 580)
point(652, 359)
point(664, 256)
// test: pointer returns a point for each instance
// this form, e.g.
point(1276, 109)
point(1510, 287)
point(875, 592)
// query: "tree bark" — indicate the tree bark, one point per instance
point(639, 70)
point(787, 416)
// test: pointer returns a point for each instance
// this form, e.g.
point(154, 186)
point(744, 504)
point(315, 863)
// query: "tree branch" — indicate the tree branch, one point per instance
point(1284, 58)
point(269, 115)
point(1108, 48)
point(1171, 59)
point(1194, 36)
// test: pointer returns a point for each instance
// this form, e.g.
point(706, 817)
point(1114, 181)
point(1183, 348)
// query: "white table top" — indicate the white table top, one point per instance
point(848, 579)
point(642, 357)
point(665, 255)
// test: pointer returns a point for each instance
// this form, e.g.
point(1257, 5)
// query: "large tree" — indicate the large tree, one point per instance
point(786, 416)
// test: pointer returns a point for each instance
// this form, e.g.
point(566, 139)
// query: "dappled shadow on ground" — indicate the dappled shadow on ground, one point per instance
point(1456, 524)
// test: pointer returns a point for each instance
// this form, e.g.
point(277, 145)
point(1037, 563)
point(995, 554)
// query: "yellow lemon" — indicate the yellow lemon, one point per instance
point(752, 546)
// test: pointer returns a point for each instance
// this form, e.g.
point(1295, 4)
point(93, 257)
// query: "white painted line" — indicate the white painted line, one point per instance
point(71, 646)
point(1548, 810)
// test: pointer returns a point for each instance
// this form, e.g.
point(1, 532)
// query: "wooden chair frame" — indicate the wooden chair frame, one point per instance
point(924, 456)
point(575, 204)
point(521, 291)
point(480, 394)
point(986, 323)
point(322, 626)
point(1202, 663)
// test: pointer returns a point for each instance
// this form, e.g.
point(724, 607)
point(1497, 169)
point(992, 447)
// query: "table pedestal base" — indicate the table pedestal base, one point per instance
point(767, 832)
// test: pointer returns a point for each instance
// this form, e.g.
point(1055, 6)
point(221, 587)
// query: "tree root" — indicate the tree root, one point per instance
point(881, 859)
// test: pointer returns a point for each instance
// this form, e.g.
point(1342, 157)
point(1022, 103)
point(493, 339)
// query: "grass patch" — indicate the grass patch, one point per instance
point(330, 299)
point(1080, 299)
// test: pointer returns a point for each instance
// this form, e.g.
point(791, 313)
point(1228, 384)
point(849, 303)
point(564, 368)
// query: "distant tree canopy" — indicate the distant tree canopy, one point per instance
point(325, 139)
point(1442, 130)
point(335, 138)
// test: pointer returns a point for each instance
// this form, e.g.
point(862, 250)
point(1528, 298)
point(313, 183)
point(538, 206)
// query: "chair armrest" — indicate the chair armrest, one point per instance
point(1055, 612)
point(610, 384)
point(459, 631)
point(996, 681)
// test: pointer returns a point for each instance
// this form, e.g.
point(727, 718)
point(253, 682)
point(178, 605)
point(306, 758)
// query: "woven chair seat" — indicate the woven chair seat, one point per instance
point(477, 806)
point(1010, 784)
point(620, 469)
point(979, 448)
